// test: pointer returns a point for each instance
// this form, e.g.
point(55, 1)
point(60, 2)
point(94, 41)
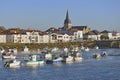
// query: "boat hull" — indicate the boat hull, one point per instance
point(58, 60)
point(12, 64)
point(34, 62)
point(8, 57)
point(78, 59)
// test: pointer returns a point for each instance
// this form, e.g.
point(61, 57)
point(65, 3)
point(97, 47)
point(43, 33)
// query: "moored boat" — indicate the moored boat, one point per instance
point(57, 60)
point(96, 47)
point(69, 59)
point(78, 57)
point(86, 49)
point(104, 54)
point(8, 55)
point(33, 61)
point(96, 56)
point(12, 63)
point(48, 58)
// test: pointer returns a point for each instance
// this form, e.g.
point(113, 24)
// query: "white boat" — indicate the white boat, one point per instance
point(59, 59)
point(82, 48)
point(8, 57)
point(38, 62)
point(55, 49)
point(26, 49)
point(96, 47)
point(2, 50)
point(14, 50)
point(74, 49)
point(78, 57)
point(65, 49)
point(69, 59)
point(12, 63)
point(48, 56)
point(34, 61)
point(87, 49)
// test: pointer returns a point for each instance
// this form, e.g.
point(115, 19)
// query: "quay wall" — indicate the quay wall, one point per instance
point(91, 44)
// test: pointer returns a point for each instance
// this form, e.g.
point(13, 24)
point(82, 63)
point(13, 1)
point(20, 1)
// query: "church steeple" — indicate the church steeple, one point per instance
point(67, 22)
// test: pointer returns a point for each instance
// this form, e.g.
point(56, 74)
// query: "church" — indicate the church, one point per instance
point(67, 32)
point(67, 27)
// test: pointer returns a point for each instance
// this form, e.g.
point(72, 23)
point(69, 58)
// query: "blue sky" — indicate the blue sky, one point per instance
point(43, 14)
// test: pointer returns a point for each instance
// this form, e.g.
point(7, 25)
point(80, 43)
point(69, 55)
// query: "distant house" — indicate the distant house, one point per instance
point(67, 35)
point(115, 35)
point(77, 35)
point(2, 37)
point(61, 36)
point(85, 29)
point(53, 37)
point(33, 36)
point(109, 34)
point(92, 35)
point(15, 35)
point(44, 38)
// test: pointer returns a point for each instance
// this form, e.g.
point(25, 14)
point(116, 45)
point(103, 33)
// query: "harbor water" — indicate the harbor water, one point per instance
point(105, 68)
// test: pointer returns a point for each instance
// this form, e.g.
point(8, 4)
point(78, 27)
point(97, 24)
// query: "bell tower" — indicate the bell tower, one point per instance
point(67, 22)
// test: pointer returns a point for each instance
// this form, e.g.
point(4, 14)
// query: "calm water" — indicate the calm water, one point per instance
point(107, 68)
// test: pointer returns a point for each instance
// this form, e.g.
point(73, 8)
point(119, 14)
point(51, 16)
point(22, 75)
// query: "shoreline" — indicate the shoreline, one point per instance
point(35, 46)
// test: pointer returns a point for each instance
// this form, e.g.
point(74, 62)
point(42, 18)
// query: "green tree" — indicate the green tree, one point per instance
point(2, 28)
point(104, 37)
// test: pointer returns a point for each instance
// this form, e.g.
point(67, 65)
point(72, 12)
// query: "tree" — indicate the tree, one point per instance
point(2, 28)
point(104, 37)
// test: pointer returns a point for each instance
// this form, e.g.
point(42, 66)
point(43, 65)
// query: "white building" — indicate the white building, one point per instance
point(78, 35)
point(112, 35)
point(92, 36)
point(2, 38)
point(32, 36)
point(44, 38)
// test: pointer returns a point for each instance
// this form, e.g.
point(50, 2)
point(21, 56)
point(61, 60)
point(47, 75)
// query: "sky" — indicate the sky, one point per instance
point(43, 14)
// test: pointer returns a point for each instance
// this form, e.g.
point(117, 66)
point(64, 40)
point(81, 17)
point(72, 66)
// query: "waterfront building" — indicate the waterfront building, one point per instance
point(33, 36)
point(44, 38)
point(2, 37)
point(111, 35)
point(92, 35)
point(15, 35)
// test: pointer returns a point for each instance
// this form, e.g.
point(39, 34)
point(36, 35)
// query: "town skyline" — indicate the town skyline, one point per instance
point(100, 15)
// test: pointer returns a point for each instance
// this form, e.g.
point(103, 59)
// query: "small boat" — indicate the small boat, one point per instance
point(65, 49)
point(86, 49)
point(8, 55)
point(104, 54)
point(69, 59)
point(33, 61)
point(48, 58)
point(12, 63)
point(96, 47)
point(78, 57)
point(55, 49)
point(25, 49)
point(2, 50)
point(57, 60)
point(96, 56)
point(74, 49)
